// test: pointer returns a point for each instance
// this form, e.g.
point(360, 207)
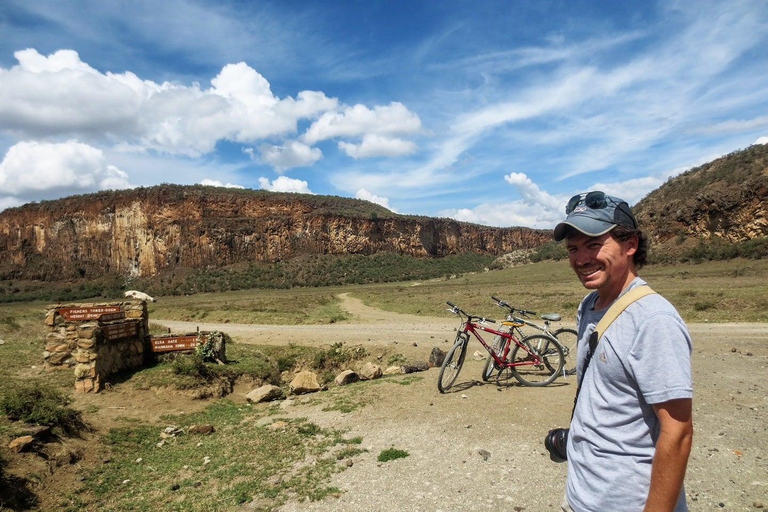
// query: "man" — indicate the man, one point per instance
point(632, 427)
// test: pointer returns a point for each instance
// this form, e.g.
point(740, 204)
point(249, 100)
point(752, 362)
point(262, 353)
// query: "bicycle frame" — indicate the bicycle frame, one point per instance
point(501, 362)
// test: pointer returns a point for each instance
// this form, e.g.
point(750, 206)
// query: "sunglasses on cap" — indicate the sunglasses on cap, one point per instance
point(598, 200)
point(595, 200)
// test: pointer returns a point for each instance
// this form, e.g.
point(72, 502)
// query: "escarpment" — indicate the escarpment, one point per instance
point(725, 199)
point(144, 231)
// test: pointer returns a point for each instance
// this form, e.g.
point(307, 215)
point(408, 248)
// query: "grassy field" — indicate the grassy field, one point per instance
point(714, 291)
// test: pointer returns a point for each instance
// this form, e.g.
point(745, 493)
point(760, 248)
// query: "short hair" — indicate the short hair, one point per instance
point(622, 234)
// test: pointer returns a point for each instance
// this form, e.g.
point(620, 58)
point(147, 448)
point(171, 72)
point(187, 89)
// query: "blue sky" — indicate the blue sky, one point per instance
point(492, 112)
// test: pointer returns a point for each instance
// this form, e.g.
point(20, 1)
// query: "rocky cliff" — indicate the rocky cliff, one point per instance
point(725, 199)
point(144, 231)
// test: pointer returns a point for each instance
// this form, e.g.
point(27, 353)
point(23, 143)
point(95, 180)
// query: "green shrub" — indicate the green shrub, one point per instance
point(41, 405)
point(191, 366)
point(550, 251)
point(392, 454)
point(337, 356)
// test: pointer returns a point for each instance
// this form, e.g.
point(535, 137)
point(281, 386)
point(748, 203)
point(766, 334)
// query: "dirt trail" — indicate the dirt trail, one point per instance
point(444, 433)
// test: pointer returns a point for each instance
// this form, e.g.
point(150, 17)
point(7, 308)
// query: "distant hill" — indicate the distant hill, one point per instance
point(145, 232)
point(721, 203)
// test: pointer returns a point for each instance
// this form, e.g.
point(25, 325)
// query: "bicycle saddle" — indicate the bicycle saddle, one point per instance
point(552, 317)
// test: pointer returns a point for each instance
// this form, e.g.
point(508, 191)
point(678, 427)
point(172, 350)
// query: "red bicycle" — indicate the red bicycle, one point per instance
point(535, 360)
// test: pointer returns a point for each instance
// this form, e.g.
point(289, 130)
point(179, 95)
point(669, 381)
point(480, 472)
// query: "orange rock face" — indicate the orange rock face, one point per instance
point(141, 232)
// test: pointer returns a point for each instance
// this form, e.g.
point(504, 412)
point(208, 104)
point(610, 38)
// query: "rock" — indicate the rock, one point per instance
point(21, 444)
point(415, 366)
point(304, 382)
point(346, 377)
point(370, 371)
point(171, 431)
point(757, 504)
point(393, 370)
point(265, 393)
point(278, 425)
point(479, 355)
point(485, 454)
point(436, 357)
point(2, 342)
point(204, 430)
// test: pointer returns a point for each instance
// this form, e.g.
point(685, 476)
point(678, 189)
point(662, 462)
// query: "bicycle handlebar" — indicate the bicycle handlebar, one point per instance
point(457, 310)
point(505, 304)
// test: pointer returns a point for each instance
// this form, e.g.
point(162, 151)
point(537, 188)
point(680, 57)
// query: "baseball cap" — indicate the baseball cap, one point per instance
point(594, 214)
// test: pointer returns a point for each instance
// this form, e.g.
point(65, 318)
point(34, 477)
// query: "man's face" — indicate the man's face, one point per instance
point(600, 262)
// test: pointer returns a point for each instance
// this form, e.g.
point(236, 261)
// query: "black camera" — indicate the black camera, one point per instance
point(556, 443)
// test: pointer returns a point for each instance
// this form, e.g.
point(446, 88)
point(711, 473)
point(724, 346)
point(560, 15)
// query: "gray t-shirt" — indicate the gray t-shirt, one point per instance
point(643, 358)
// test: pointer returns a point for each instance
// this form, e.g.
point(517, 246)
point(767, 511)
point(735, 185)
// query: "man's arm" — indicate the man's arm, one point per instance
point(672, 450)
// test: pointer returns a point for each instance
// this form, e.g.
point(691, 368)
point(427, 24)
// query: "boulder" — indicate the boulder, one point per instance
point(393, 370)
point(265, 393)
point(304, 382)
point(21, 443)
point(346, 377)
point(437, 357)
point(415, 366)
point(201, 429)
point(370, 371)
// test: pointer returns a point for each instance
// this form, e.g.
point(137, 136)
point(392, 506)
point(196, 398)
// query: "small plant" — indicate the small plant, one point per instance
point(392, 454)
point(41, 405)
point(397, 360)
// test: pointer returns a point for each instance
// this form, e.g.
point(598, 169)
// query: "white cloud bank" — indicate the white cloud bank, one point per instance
point(539, 209)
point(761, 140)
point(285, 184)
point(289, 155)
point(31, 169)
point(216, 183)
point(60, 95)
point(381, 201)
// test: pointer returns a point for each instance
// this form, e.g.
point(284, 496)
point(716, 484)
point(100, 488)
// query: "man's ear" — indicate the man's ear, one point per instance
point(632, 244)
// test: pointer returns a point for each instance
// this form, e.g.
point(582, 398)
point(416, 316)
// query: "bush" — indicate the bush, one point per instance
point(550, 251)
point(392, 454)
point(41, 405)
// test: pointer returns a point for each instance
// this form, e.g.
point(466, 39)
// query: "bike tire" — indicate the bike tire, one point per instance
point(453, 362)
point(490, 364)
point(569, 339)
point(552, 360)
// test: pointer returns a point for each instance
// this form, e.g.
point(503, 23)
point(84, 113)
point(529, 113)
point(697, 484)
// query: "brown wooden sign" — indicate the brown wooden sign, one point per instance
point(173, 343)
point(119, 331)
point(91, 313)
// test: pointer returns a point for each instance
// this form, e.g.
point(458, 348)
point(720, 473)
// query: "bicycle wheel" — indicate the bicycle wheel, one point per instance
point(453, 363)
point(539, 363)
point(568, 338)
point(490, 364)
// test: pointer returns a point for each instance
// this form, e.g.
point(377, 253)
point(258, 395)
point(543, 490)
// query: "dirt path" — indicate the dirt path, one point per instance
point(444, 434)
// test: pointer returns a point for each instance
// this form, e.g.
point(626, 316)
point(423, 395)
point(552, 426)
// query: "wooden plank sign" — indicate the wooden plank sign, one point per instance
point(91, 313)
point(173, 343)
point(119, 331)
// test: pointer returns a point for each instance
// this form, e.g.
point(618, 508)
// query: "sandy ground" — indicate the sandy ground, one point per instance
point(443, 433)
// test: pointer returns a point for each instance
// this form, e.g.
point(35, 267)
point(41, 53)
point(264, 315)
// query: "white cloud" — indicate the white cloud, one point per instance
point(536, 208)
point(285, 184)
point(216, 183)
point(289, 155)
point(381, 201)
point(761, 140)
point(9, 202)
point(61, 95)
point(32, 167)
point(359, 120)
point(376, 145)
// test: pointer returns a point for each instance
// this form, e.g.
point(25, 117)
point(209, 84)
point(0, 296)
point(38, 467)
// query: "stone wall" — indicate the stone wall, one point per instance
point(97, 340)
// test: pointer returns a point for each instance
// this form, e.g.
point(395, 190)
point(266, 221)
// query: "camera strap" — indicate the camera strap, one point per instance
point(612, 314)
